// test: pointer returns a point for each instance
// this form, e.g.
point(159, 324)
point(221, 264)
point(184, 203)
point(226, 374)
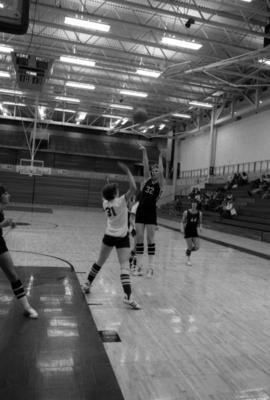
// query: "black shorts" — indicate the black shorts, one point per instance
point(3, 246)
point(191, 233)
point(146, 217)
point(115, 241)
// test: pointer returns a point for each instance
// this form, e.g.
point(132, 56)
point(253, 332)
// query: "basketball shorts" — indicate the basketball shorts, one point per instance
point(191, 233)
point(146, 217)
point(118, 242)
point(3, 246)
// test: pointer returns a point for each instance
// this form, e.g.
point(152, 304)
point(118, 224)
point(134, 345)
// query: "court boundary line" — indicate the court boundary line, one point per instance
point(46, 255)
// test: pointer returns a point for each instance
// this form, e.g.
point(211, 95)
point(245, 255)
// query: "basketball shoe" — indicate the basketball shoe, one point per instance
point(131, 302)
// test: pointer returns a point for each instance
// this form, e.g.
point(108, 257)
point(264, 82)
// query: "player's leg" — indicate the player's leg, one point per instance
point(196, 243)
point(8, 268)
point(151, 247)
point(139, 248)
point(189, 243)
point(123, 255)
point(104, 253)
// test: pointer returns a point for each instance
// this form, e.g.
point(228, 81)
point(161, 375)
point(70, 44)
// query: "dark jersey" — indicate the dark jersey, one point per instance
point(149, 195)
point(192, 219)
point(192, 223)
point(2, 217)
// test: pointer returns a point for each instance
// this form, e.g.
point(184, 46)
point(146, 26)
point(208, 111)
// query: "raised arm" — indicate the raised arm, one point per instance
point(132, 183)
point(161, 170)
point(146, 169)
point(200, 221)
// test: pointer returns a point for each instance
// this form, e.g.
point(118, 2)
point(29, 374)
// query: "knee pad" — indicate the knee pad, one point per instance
point(188, 252)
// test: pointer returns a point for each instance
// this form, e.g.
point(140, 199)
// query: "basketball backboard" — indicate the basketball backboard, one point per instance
point(14, 16)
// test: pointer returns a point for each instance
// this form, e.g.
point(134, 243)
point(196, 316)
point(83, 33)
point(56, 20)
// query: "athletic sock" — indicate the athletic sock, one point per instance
point(125, 281)
point(93, 272)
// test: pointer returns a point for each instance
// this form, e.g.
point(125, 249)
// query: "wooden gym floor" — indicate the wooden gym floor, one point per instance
point(202, 333)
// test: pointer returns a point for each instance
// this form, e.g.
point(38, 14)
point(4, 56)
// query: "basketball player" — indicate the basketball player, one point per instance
point(116, 235)
point(6, 262)
point(191, 223)
point(146, 215)
point(132, 229)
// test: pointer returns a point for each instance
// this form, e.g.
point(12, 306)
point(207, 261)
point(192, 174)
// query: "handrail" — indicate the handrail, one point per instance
point(249, 167)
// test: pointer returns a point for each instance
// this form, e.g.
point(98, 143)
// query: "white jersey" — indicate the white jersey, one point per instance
point(117, 216)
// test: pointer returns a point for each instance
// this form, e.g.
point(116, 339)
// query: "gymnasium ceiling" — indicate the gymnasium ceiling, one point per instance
point(228, 68)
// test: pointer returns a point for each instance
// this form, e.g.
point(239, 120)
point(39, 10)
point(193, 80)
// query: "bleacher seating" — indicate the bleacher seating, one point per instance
point(56, 189)
point(253, 219)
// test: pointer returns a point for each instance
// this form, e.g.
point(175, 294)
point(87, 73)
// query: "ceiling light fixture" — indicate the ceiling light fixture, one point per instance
point(264, 61)
point(121, 106)
point(4, 74)
point(64, 110)
point(80, 85)
point(67, 99)
point(81, 23)
point(201, 104)
point(133, 93)
point(111, 116)
point(81, 115)
point(42, 111)
point(178, 115)
point(83, 62)
point(5, 49)
point(11, 103)
point(181, 43)
point(148, 73)
point(12, 92)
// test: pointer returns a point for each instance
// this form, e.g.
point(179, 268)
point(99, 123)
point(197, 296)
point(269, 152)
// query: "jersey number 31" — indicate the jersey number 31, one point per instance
point(110, 212)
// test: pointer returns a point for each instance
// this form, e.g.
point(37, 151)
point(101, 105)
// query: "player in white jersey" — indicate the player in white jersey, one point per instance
point(116, 235)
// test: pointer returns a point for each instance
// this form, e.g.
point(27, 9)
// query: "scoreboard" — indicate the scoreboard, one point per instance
point(31, 71)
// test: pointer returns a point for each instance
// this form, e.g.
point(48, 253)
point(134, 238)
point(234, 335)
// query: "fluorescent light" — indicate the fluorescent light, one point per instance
point(121, 106)
point(247, 1)
point(78, 61)
point(1, 5)
point(11, 103)
point(111, 116)
point(80, 85)
point(148, 72)
point(42, 111)
point(10, 91)
point(181, 43)
point(5, 49)
point(81, 115)
point(4, 74)
point(67, 99)
point(177, 115)
point(133, 93)
point(200, 104)
point(161, 126)
point(124, 121)
point(64, 110)
point(264, 61)
point(81, 23)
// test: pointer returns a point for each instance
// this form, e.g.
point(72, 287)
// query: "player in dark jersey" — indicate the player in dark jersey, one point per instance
point(191, 223)
point(146, 215)
point(6, 263)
